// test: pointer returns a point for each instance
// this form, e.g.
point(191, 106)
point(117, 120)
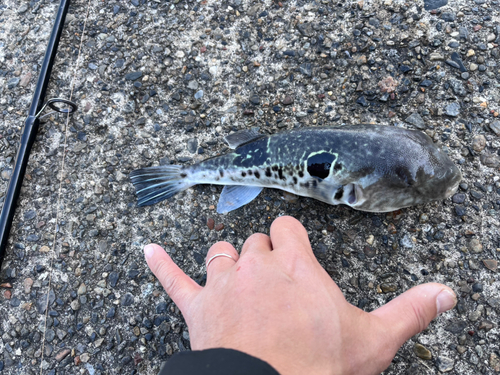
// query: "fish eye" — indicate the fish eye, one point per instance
point(319, 165)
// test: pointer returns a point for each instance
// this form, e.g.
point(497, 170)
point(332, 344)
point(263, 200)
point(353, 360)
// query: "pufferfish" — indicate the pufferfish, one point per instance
point(367, 167)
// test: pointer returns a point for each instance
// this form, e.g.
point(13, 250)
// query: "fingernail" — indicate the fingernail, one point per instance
point(149, 250)
point(445, 301)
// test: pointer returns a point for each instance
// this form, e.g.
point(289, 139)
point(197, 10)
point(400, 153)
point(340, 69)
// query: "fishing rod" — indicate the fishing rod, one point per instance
point(31, 126)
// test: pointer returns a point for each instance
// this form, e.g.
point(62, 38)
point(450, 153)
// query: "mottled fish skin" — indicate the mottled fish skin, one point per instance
point(368, 167)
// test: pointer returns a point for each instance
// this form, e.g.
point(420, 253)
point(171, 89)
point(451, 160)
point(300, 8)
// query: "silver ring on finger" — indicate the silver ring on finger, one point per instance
point(219, 255)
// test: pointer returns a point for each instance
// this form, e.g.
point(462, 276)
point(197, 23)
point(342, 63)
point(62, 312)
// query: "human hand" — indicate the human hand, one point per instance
point(274, 301)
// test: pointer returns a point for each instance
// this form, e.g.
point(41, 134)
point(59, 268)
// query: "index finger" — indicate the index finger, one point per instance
point(288, 234)
point(179, 286)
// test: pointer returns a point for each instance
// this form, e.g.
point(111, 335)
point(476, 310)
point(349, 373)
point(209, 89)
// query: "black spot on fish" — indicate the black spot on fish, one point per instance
point(290, 172)
point(404, 175)
point(301, 174)
point(280, 173)
point(276, 176)
point(314, 183)
point(275, 168)
point(319, 165)
point(306, 184)
point(250, 172)
point(221, 172)
point(268, 172)
point(256, 174)
point(337, 167)
point(295, 180)
point(243, 174)
point(183, 175)
point(339, 193)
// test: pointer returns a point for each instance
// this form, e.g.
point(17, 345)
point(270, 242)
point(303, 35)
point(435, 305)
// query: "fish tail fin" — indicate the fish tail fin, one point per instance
point(155, 184)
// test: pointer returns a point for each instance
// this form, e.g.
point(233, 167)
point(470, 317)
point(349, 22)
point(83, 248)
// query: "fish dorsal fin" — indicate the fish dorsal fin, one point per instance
point(240, 138)
point(236, 196)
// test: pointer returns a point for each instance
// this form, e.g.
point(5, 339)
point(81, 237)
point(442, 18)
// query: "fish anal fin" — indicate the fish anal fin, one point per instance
point(236, 196)
point(240, 138)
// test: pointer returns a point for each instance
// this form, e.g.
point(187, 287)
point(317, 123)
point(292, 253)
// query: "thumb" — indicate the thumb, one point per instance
point(179, 286)
point(411, 312)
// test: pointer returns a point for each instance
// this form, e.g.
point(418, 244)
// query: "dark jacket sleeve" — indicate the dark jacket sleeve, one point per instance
point(216, 362)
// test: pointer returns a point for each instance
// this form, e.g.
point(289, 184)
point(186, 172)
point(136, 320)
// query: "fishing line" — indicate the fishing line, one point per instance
point(61, 177)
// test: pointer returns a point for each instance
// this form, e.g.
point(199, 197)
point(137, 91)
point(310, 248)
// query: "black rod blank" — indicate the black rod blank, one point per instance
point(30, 129)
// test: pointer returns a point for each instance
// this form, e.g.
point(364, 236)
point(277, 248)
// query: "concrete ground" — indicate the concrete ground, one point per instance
point(161, 82)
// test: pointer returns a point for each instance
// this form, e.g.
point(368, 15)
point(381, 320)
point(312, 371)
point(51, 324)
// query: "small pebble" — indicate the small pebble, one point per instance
point(210, 223)
point(370, 239)
point(22, 9)
point(133, 76)
point(452, 109)
point(254, 99)
point(486, 325)
point(422, 352)
point(434, 4)
point(113, 278)
point(479, 143)
point(62, 354)
point(494, 362)
point(13, 82)
point(416, 120)
point(388, 287)
point(445, 364)
point(28, 282)
point(6, 173)
point(475, 246)
point(490, 160)
point(199, 94)
point(127, 299)
point(306, 69)
point(458, 198)
point(477, 287)
point(82, 289)
point(75, 305)
point(491, 264)
point(495, 127)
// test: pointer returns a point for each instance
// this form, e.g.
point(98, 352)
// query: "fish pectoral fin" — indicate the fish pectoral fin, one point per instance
point(236, 196)
point(240, 138)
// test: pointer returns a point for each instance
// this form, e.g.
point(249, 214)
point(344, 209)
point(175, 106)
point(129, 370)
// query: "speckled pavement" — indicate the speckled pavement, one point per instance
point(161, 82)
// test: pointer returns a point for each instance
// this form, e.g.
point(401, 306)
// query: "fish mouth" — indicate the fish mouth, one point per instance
point(457, 179)
point(452, 190)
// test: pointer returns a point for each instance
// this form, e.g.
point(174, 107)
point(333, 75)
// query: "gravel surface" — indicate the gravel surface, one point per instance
point(162, 82)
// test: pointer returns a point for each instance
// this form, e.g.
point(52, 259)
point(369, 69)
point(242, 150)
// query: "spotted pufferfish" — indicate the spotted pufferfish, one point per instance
point(367, 167)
